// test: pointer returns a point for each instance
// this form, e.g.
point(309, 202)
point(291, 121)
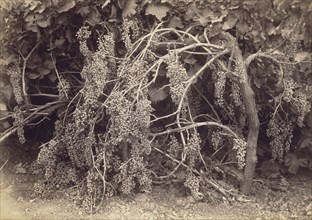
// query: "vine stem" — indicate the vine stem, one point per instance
point(252, 115)
point(25, 59)
point(211, 182)
point(196, 125)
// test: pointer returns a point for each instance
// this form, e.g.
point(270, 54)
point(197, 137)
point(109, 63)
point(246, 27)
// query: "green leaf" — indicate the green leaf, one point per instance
point(158, 10)
point(129, 8)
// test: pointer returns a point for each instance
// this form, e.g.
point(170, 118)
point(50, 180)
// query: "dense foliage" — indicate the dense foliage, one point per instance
point(123, 94)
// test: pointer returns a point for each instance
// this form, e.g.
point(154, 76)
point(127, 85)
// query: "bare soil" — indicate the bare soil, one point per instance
point(272, 198)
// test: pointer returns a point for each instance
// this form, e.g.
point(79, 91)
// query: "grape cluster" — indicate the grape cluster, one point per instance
point(135, 170)
point(47, 158)
point(193, 183)
point(134, 72)
point(79, 146)
point(192, 148)
point(127, 184)
point(175, 147)
point(239, 71)
point(219, 79)
point(235, 95)
point(289, 86)
point(63, 87)
point(15, 78)
point(19, 123)
point(280, 133)
point(239, 145)
point(130, 30)
point(302, 106)
point(118, 107)
point(194, 101)
point(216, 139)
point(292, 46)
point(83, 116)
point(83, 35)
point(106, 44)
point(177, 76)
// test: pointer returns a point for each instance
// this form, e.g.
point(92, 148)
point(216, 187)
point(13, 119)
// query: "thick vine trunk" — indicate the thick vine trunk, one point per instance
point(253, 131)
point(253, 124)
point(252, 116)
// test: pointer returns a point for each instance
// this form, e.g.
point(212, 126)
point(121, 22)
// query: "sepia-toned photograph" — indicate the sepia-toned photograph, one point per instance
point(155, 109)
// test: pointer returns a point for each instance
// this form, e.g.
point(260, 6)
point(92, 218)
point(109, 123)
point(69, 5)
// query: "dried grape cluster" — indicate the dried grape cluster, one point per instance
point(289, 86)
point(239, 71)
point(15, 78)
point(47, 158)
point(239, 145)
point(192, 149)
point(175, 148)
point(19, 122)
point(219, 82)
point(194, 102)
point(130, 32)
point(280, 133)
point(83, 35)
point(235, 95)
point(292, 46)
point(135, 170)
point(193, 183)
point(301, 105)
point(134, 73)
point(177, 75)
point(118, 107)
point(216, 139)
point(63, 87)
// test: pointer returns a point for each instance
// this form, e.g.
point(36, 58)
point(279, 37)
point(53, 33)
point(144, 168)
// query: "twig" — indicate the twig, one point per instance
point(211, 182)
point(25, 59)
point(5, 163)
point(195, 125)
point(30, 118)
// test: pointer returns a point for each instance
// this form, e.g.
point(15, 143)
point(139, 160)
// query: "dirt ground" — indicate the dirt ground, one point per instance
point(290, 198)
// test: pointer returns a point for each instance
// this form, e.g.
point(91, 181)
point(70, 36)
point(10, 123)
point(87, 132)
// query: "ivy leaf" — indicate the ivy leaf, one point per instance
point(158, 10)
point(94, 17)
point(242, 27)
point(4, 62)
point(190, 60)
point(230, 22)
point(44, 22)
point(175, 22)
point(83, 11)
point(157, 94)
point(34, 75)
point(270, 29)
point(293, 163)
point(69, 5)
point(302, 56)
point(129, 8)
point(52, 77)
